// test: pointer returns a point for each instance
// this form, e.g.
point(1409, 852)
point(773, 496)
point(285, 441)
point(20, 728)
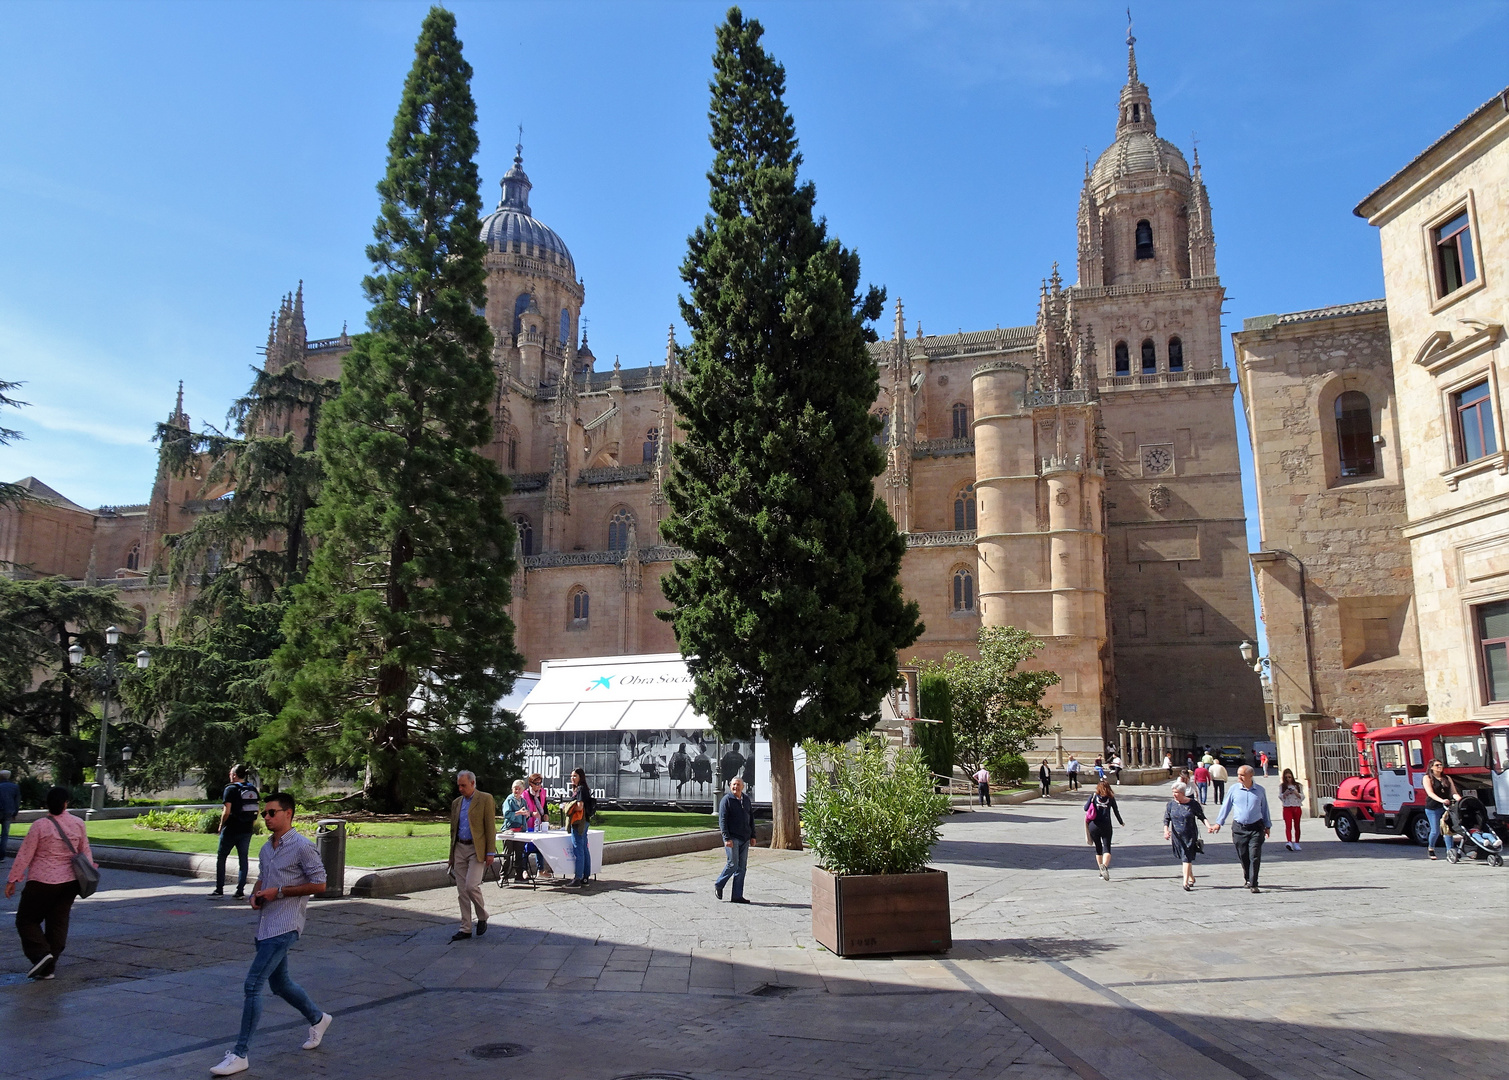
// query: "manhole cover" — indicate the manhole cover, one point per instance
point(493, 1051)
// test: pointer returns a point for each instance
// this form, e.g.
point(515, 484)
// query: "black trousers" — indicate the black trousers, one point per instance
point(1045, 784)
point(984, 794)
point(1249, 843)
point(50, 904)
point(1220, 790)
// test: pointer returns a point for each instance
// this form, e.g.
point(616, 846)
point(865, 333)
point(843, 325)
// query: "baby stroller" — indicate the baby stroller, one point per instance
point(1469, 820)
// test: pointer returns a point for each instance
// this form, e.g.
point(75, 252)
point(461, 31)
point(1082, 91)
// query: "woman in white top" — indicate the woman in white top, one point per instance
point(1292, 797)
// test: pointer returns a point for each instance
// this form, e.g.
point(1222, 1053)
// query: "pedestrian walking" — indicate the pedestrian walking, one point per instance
point(45, 860)
point(1292, 798)
point(982, 778)
point(474, 845)
point(1072, 769)
point(1180, 826)
point(578, 814)
point(736, 823)
point(238, 819)
point(1217, 780)
point(1168, 764)
point(1247, 805)
point(289, 872)
point(1185, 785)
point(1263, 761)
point(10, 806)
point(1440, 790)
point(1189, 760)
point(1207, 758)
point(1202, 780)
point(1044, 776)
point(1116, 768)
point(1098, 829)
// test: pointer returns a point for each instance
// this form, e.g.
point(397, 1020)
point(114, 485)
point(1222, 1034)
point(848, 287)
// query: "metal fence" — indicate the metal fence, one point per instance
point(1335, 752)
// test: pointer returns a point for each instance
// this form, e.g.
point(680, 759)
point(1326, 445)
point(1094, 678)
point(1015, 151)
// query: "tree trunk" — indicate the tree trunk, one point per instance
point(787, 831)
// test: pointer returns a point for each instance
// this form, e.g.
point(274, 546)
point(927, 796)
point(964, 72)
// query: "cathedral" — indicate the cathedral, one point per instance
point(1077, 478)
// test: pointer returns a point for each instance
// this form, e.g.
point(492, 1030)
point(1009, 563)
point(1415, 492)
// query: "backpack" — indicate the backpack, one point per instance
point(248, 802)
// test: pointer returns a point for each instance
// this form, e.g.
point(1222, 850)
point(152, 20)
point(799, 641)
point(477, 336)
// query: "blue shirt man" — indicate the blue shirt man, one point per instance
point(736, 822)
point(465, 825)
point(1247, 806)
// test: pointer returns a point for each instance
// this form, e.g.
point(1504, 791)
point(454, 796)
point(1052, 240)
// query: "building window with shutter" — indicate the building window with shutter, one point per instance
point(1354, 433)
point(1491, 625)
point(1475, 433)
point(1455, 263)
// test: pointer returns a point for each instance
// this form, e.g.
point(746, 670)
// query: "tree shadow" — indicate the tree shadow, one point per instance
point(1035, 948)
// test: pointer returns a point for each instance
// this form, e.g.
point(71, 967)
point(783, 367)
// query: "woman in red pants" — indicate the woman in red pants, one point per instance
point(1292, 797)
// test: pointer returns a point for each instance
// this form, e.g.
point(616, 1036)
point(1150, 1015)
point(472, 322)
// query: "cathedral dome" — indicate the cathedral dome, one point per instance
point(1138, 152)
point(512, 228)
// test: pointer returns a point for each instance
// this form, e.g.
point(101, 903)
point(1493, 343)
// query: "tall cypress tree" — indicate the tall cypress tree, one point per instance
point(399, 642)
point(791, 611)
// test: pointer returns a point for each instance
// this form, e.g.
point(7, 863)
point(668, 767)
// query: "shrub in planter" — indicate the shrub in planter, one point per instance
point(873, 824)
point(1009, 769)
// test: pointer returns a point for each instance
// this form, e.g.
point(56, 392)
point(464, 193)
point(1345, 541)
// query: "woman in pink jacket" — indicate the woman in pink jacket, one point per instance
point(46, 862)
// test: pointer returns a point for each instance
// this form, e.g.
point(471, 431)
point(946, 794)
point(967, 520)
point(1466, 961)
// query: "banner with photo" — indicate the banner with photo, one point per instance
point(668, 765)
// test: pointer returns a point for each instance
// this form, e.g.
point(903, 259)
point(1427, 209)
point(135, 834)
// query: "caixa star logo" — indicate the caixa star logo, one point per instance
point(604, 682)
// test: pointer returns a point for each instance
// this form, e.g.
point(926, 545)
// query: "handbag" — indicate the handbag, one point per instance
point(84, 871)
point(1199, 844)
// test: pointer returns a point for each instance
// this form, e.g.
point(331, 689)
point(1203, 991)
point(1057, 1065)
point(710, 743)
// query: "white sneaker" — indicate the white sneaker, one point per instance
point(317, 1031)
point(1288, 846)
point(1296, 845)
point(231, 1065)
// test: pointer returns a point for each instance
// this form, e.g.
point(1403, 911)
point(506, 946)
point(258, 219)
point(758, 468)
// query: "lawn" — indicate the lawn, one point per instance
point(390, 843)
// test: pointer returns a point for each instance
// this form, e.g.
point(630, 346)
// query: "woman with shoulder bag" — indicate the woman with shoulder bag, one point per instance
point(47, 859)
point(1180, 819)
point(1098, 810)
point(578, 813)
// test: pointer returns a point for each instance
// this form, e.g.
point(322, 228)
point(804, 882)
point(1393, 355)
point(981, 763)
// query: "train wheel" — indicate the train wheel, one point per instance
point(1418, 829)
point(1346, 828)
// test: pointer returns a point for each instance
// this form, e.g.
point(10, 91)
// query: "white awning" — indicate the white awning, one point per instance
point(605, 693)
point(546, 716)
point(655, 715)
point(595, 716)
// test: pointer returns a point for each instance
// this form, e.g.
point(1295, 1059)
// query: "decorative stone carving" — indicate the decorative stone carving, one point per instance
point(1062, 498)
point(941, 539)
point(1159, 498)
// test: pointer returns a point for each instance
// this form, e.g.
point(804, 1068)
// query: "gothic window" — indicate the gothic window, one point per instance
point(1144, 239)
point(961, 420)
point(133, 558)
point(964, 590)
point(964, 509)
point(565, 325)
point(526, 534)
point(1454, 262)
point(513, 455)
point(1149, 357)
point(885, 428)
point(1354, 433)
point(519, 304)
point(1175, 354)
point(1123, 359)
point(651, 444)
point(1475, 434)
point(618, 529)
point(578, 605)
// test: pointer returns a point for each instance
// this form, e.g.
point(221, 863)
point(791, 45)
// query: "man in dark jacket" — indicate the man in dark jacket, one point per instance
point(736, 823)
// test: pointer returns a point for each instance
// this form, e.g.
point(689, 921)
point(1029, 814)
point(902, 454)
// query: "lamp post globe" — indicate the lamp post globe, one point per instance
point(112, 635)
point(143, 660)
point(75, 654)
point(1248, 652)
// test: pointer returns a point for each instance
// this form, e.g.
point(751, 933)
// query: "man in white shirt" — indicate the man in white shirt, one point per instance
point(983, 779)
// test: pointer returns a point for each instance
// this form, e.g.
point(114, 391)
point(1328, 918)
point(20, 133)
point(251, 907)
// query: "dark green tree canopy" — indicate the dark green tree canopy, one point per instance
point(400, 637)
point(791, 611)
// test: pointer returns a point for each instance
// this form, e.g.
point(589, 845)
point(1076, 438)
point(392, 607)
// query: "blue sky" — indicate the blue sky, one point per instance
point(171, 169)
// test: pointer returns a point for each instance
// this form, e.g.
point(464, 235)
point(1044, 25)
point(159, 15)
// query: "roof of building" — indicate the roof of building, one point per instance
point(1335, 311)
point(42, 493)
point(513, 222)
point(1501, 99)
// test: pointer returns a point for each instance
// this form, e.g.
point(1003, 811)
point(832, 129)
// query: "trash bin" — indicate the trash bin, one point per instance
point(330, 842)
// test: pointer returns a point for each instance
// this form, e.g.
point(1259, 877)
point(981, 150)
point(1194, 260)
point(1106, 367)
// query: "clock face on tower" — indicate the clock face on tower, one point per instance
point(1157, 459)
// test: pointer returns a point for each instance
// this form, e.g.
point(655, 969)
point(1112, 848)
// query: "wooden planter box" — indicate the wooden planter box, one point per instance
point(866, 915)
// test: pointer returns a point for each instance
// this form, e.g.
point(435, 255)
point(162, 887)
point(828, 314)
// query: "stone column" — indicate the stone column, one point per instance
point(1121, 739)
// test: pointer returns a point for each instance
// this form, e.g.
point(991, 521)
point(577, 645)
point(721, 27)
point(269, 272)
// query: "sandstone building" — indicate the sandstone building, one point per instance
point(1077, 477)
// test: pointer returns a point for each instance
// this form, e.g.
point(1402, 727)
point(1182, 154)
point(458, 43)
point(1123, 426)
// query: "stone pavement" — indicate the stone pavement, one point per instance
point(1360, 960)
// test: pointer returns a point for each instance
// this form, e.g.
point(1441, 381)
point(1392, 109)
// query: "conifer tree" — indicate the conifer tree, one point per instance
point(791, 611)
point(399, 642)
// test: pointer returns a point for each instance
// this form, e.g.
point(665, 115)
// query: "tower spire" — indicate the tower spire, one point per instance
point(1131, 51)
point(516, 185)
point(1136, 106)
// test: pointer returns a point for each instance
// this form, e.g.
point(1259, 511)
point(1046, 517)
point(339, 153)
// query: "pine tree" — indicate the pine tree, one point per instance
point(399, 642)
point(10, 494)
point(791, 612)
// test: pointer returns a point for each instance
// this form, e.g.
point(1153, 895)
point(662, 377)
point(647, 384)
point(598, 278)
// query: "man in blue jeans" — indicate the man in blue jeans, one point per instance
point(736, 823)
point(238, 818)
point(289, 872)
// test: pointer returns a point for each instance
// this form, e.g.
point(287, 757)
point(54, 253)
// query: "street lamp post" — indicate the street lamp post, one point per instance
point(108, 681)
point(1264, 667)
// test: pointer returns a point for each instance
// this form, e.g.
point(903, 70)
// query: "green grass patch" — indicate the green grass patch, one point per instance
point(387, 843)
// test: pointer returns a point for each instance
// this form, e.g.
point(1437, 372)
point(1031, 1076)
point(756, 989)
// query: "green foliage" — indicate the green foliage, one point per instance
point(790, 611)
point(398, 641)
point(46, 707)
point(875, 814)
point(997, 709)
point(189, 821)
point(935, 741)
point(10, 494)
point(1008, 769)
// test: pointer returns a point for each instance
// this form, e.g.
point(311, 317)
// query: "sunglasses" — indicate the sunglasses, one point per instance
point(273, 813)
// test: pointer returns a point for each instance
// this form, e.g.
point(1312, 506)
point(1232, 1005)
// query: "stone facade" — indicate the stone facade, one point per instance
point(1078, 477)
point(1447, 305)
point(1318, 389)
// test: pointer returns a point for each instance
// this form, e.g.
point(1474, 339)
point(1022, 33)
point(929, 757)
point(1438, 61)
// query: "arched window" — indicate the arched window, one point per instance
point(578, 604)
point(964, 509)
point(1136, 114)
point(1354, 433)
point(1123, 359)
point(618, 529)
point(1175, 354)
point(133, 558)
point(964, 590)
point(651, 444)
point(885, 428)
point(1144, 239)
point(1149, 357)
point(565, 325)
point(961, 420)
point(520, 302)
point(526, 534)
point(513, 454)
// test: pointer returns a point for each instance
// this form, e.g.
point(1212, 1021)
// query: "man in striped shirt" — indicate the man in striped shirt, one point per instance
point(289, 872)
